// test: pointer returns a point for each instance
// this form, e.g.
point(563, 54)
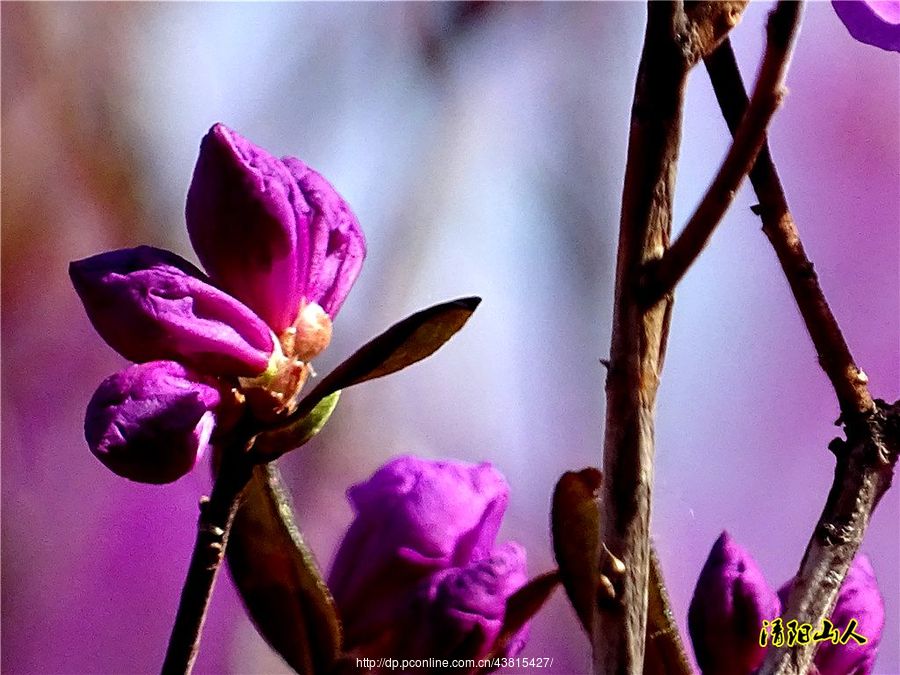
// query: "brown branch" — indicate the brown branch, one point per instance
point(866, 460)
point(213, 525)
point(664, 274)
point(848, 380)
point(675, 40)
point(864, 471)
point(638, 338)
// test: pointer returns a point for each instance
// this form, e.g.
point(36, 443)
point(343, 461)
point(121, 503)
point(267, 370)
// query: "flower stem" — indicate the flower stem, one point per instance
point(213, 526)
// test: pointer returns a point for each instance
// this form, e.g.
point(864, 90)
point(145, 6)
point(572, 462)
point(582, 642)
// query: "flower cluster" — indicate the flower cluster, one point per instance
point(733, 606)
point(282, 250)
point(418, 574)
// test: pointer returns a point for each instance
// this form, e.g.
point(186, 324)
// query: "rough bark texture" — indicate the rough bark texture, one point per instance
point(864, 471)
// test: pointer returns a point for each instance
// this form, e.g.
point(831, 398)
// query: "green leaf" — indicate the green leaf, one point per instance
point(403, 344)
point(278, 579)
point(575, 524)
point(520, 607)
point(274, 443)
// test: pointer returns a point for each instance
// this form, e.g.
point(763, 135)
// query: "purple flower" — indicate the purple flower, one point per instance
point(731, 600)
point(859, 599)
point(149, 304)
point(874, 22)
point(270, 231)
point(458, 613)
point(150, 422)
point(282, 249)
point(418, 570)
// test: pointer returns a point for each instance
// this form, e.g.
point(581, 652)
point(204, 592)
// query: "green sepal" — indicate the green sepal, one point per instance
point(274, 443)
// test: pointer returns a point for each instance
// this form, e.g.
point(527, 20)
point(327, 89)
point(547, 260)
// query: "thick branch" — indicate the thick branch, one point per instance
point(638, 339)
point(213, 525)
point(864, 471)
point(664, 274)
point(675, 40)
point(848, 380)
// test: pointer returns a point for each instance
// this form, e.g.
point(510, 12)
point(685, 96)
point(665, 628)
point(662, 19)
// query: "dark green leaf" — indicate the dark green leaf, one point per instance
point(575, 521)
point(403, 344)
point(272, 444)
point(520, 607)
point(278, 579)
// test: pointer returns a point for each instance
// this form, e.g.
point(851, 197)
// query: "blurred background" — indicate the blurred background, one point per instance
point(482, 147)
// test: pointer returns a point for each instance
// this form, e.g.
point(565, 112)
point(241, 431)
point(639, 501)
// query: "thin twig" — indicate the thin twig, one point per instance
point(213, 525)
point(849, 382)
point(663, 275)
point(866, 460)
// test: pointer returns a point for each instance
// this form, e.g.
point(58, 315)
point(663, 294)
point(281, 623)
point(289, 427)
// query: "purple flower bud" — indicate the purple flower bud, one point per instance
point(149, 304)
point(731, 600)
point(859, 599)
point(874, 22)
point(272, 232)
point(414, 518)
point(151, 422)
point(459, 612)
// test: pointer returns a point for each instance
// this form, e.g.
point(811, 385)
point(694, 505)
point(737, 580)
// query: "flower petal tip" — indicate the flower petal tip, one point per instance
point(873, 22)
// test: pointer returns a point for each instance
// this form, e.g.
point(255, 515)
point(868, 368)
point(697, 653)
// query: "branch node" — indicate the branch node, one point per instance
point(838, 447)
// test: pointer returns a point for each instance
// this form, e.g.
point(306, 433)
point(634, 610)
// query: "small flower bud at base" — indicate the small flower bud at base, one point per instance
point(310, 334)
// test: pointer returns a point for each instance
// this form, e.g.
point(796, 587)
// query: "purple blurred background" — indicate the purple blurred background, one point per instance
point(483, 151)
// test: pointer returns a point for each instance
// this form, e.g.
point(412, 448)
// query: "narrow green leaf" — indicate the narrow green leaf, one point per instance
point(278, 579)
point(274, 443)
point(520, 607)
point(575, 524)
point(403, 344)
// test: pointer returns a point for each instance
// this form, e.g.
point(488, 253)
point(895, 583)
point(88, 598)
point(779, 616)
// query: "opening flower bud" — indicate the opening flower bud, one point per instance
point(310, 334)
point(423, 524)
point(152, 421)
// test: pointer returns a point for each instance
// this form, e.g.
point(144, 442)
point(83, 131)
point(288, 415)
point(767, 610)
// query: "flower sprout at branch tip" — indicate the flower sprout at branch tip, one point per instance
point(418, 573)
point(732, 599)
point(730, 602)
point(282, 249)
point(874, 22)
